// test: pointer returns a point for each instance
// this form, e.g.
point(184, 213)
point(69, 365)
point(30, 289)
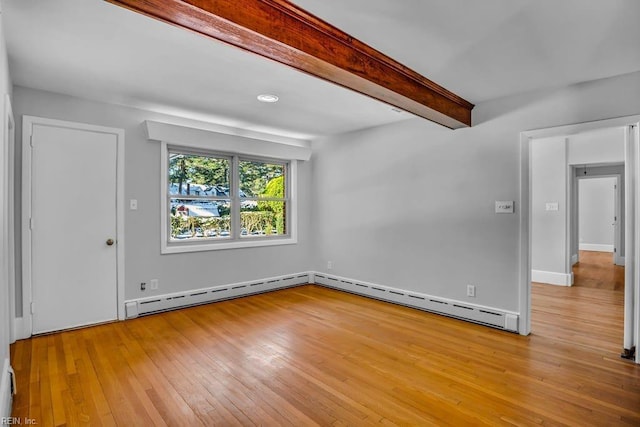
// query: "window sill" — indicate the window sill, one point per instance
point(175, 248)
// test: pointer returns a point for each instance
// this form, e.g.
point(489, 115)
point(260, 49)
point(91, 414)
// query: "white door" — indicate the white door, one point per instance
point(73, 213)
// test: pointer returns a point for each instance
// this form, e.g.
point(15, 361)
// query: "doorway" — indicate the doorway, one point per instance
point(598, 227)
point(629, 127)
point(598, 211)
point(72, 224)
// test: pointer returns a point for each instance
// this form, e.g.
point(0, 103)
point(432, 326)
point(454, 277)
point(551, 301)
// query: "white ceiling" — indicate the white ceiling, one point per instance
point(478, 50)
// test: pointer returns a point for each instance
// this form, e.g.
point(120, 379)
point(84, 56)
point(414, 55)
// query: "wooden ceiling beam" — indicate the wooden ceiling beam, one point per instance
point(283, 32)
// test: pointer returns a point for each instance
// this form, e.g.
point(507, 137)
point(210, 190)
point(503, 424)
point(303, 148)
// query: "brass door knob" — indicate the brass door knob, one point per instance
point(110, 242)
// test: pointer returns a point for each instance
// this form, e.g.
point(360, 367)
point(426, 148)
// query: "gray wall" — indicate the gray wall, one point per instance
point(549, 185)
point(411, 205)
point(597, 210)
point(176, 272)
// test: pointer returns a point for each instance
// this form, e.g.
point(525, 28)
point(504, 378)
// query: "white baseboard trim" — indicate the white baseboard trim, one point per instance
point(552, 278)
point(19, 332)
point(595, 247)
point(487, 316)
point(6, 398)
point(154, 304)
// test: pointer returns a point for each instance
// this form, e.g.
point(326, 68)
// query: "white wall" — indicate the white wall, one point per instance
point(5, 89)
point(548, 224)
point(597, 211)
point(597, 147)
point(176, 272)
point(411, 205)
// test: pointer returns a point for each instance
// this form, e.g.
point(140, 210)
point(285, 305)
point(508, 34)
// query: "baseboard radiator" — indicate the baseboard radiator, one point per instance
point(461, 310)
point(142, 306)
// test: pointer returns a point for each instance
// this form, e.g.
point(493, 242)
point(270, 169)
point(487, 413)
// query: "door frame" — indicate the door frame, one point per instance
point(632, 216)
point(9, 192)
point(28, 123)
point(618, 214)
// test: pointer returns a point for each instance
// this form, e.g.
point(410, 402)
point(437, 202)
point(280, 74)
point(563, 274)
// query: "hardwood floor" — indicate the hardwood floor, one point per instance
point(597, 270)
point(591, 312)
point(584, 317)
point(314, 356)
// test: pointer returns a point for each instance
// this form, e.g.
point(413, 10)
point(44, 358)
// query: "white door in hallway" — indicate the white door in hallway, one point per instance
point(73, 227)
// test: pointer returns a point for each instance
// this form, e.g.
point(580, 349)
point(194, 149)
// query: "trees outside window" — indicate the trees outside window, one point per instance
point(216, 197)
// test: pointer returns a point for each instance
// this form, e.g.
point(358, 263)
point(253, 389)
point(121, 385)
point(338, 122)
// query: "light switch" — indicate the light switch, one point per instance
point(505, 206)
point(551, 206)
point(133, 204)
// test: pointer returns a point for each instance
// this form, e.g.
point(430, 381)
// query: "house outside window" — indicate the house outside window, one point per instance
point(224, 200)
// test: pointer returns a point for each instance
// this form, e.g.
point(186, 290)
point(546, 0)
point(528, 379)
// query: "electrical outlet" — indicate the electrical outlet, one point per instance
point(153, 284)
point(329, 265)
point(471, 291)
point(143, 286)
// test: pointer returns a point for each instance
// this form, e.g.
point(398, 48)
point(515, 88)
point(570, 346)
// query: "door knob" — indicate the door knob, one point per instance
point(110, 242)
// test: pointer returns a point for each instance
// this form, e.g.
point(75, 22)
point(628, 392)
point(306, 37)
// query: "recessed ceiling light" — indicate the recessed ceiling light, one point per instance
point(267, 97)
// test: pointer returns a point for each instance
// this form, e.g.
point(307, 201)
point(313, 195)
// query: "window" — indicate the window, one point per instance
point(263, 205)
point(199, 202)
point(220, 201)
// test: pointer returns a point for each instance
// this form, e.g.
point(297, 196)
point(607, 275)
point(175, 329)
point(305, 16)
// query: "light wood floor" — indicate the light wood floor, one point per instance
point(313, 356)
point(591, 312)
point(597, 270)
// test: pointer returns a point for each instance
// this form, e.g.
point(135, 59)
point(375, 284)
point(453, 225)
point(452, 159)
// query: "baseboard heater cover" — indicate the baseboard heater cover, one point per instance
point(500, 319)
point(461, 310)
point(142, 306)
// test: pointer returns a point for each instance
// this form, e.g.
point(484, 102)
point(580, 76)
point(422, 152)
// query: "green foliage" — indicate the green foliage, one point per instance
point(187, 169)
point(191, 224)
point(179, 223)
point(251, 221)
point(224, 210)
point(255, 176)
point(275, 189)
point(257, 221)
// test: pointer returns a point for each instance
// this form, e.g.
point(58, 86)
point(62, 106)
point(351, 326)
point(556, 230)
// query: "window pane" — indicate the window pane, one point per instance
point(265, 219)
point(261, 179)
point(200, 219)
point(195, 175)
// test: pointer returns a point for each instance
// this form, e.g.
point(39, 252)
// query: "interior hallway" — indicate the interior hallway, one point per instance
point(597, 270)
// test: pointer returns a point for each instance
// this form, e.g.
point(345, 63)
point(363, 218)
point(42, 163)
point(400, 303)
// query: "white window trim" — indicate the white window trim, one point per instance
point(178, 247)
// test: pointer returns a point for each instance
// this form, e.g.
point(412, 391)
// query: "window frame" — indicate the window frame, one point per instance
point(235, 240)
point(286, 198)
